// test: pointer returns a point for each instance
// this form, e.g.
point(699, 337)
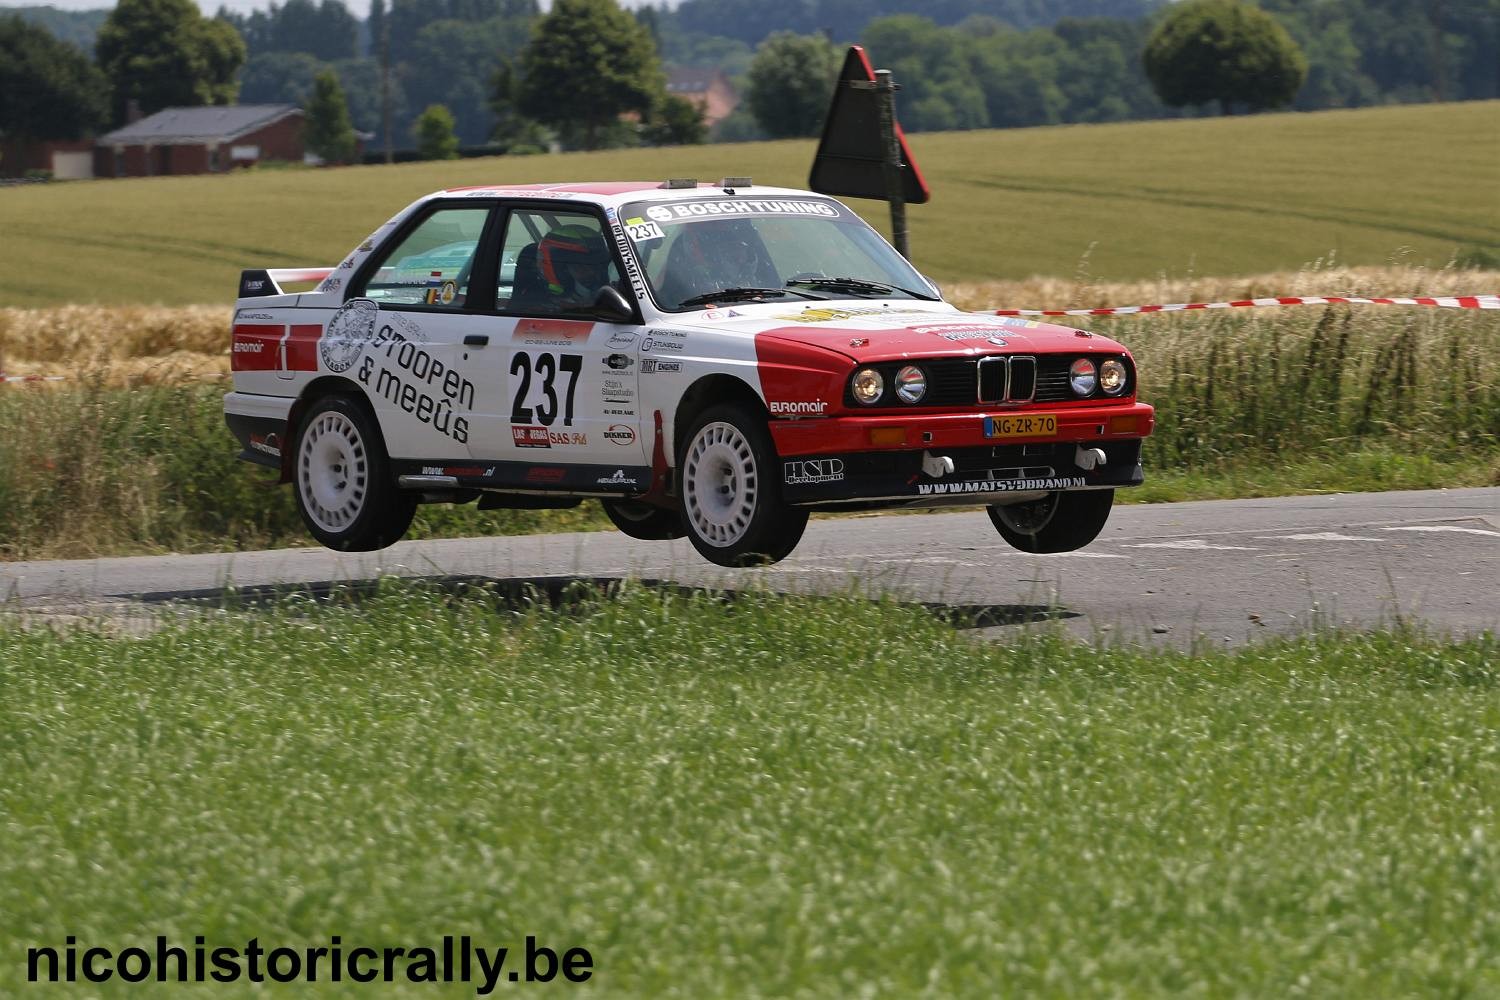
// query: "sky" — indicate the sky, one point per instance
point(359, 7)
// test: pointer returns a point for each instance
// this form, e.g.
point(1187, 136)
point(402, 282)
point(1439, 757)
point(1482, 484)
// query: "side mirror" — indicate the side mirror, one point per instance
point(932, 284)
point(610, 306)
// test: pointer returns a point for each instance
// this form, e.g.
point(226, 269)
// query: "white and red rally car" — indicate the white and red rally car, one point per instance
point(715, 360)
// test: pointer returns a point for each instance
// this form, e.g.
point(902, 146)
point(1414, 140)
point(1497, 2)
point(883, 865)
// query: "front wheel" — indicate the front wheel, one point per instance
point(731, 490)
point(343, 483)
point(1058, 522)
point(643, 520)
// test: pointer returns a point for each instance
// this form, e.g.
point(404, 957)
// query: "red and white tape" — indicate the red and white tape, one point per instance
point(32, 378)
point(1442, 301)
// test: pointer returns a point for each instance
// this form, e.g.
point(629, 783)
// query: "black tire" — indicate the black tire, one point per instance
point(730, 479)
point(643, 520)
point(1059, 522)
point(342, 479)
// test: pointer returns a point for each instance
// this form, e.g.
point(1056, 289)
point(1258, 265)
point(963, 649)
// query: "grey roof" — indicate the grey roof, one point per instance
point(691, 80)
point(180, 126)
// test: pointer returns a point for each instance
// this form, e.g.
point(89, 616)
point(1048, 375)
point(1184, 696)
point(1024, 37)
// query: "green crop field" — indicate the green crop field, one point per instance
point(1224, 196)
point(772, 797)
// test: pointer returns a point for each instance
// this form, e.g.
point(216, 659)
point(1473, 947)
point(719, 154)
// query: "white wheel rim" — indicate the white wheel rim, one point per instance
point(333, 471)
point(720, 484)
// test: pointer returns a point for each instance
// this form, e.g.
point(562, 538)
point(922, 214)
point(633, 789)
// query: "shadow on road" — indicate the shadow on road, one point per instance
point(559, 593)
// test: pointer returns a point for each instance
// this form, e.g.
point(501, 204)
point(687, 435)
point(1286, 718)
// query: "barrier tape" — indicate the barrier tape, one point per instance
point(32, 378)
point(1441, 301)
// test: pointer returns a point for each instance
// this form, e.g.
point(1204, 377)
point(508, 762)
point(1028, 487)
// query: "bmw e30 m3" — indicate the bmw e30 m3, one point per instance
point(709, 360)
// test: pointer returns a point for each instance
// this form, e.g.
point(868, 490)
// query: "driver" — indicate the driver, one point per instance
point(575, 265)
point(708, 256)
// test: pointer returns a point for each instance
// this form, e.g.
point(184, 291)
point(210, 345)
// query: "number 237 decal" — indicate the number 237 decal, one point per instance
point(546, 367)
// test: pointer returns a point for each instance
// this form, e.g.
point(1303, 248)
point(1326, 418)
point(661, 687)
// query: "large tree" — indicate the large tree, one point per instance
point(588, 63)
point(1225, 51)
point(163, 53)
point(48, 89)
point(791, 83)
point(329, 133)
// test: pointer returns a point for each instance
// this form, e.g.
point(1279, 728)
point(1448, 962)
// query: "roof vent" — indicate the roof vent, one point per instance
point(678, 183)
point(736, 182)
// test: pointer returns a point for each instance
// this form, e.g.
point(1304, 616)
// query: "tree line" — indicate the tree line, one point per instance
point(588, 74)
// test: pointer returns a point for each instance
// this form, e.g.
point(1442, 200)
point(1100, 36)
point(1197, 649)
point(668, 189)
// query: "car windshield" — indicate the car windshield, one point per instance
point(746, 248)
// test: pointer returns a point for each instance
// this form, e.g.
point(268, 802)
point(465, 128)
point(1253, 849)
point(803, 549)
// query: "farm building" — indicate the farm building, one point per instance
point(200, 141)
point(710, 89)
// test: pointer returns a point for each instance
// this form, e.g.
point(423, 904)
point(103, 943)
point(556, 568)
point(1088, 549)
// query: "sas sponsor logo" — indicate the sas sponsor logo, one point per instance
point(546, 474)
point(999, 485)
point(797, 407)
point(620, 434)
point(809, 471)
point(620, 339)
point(618, 479)
point(267, 444)
point(650, 366)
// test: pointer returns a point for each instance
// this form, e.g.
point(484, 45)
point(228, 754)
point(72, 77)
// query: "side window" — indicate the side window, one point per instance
point(432, 265)
point(553, 263)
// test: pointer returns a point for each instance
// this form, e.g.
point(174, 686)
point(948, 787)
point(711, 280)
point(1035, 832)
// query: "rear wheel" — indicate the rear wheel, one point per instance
point(731, 490)
point(342, 479)
point(1058, 522)
point(643, 520)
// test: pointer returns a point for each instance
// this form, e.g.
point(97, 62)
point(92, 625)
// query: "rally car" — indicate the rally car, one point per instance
point(709, 360)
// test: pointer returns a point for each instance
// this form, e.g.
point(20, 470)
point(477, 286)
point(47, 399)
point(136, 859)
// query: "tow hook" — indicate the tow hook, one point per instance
point(1087, 458)
point(936, 466)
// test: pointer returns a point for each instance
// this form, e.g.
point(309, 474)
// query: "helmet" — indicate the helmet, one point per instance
point(571, 250)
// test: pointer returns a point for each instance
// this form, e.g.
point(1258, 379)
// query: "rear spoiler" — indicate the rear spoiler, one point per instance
point(259, 281)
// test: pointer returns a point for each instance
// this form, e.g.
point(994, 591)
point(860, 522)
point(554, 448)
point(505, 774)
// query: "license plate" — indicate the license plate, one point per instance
point(1036, 425)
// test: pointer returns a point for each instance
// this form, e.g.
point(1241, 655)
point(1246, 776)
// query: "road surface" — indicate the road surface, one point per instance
point(1212, 572)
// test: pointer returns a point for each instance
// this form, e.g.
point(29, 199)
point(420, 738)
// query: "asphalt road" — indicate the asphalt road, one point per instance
point(1215, 572)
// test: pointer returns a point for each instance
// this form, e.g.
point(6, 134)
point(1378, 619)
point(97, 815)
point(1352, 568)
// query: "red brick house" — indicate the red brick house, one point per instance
point(201, 141)
point(64, 159)
point(710, 89)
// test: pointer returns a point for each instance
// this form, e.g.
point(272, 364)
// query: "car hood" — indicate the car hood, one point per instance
point(878, 331)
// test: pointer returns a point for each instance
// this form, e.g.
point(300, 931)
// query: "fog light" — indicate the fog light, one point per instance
point(887, 435)
point(1123, 425)
point(868, 386)
point(1082, 377)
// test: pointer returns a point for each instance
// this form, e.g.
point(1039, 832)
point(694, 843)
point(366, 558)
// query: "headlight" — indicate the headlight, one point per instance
point(911, 384)
point(1082, 378)
point(868, 386)
point(1112, 377)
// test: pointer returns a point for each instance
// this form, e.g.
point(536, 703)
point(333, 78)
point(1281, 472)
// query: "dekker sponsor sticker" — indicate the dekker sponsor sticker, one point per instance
point(620, 434)
point(999, 485)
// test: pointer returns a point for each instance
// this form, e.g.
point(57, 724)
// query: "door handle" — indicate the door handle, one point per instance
point(476, 340)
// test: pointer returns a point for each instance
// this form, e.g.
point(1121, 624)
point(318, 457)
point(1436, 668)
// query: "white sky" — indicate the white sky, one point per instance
point(359, 7)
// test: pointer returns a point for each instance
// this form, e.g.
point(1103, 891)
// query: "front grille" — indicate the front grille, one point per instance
point(988, 381)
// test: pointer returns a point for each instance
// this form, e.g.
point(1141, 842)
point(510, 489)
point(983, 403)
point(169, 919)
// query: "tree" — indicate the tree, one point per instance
point(512, 130)
point(48, 88)
point(588, 63)
point(675, 121)
point(329, 134)
point(434, 134)
point(791, 83)
point(163, 53)
point(326, 30)
point(1225, 51)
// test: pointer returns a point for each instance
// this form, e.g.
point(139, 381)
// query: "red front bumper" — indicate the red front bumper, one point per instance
point(895, 431)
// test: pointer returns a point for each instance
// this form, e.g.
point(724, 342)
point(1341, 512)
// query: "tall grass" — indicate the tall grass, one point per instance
point(778, 797)
point(1249, 402)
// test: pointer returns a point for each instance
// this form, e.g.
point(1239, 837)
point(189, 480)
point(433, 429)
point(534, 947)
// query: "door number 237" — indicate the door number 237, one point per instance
point(545, 367)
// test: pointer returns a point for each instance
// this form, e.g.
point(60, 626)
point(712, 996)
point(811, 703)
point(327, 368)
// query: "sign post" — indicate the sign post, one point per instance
point(863, 152)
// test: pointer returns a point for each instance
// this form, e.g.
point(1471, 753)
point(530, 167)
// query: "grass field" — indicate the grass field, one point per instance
point(776, 797)
point(1225, 196)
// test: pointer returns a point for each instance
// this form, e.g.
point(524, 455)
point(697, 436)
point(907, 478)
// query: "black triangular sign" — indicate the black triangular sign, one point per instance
point(851, 157)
